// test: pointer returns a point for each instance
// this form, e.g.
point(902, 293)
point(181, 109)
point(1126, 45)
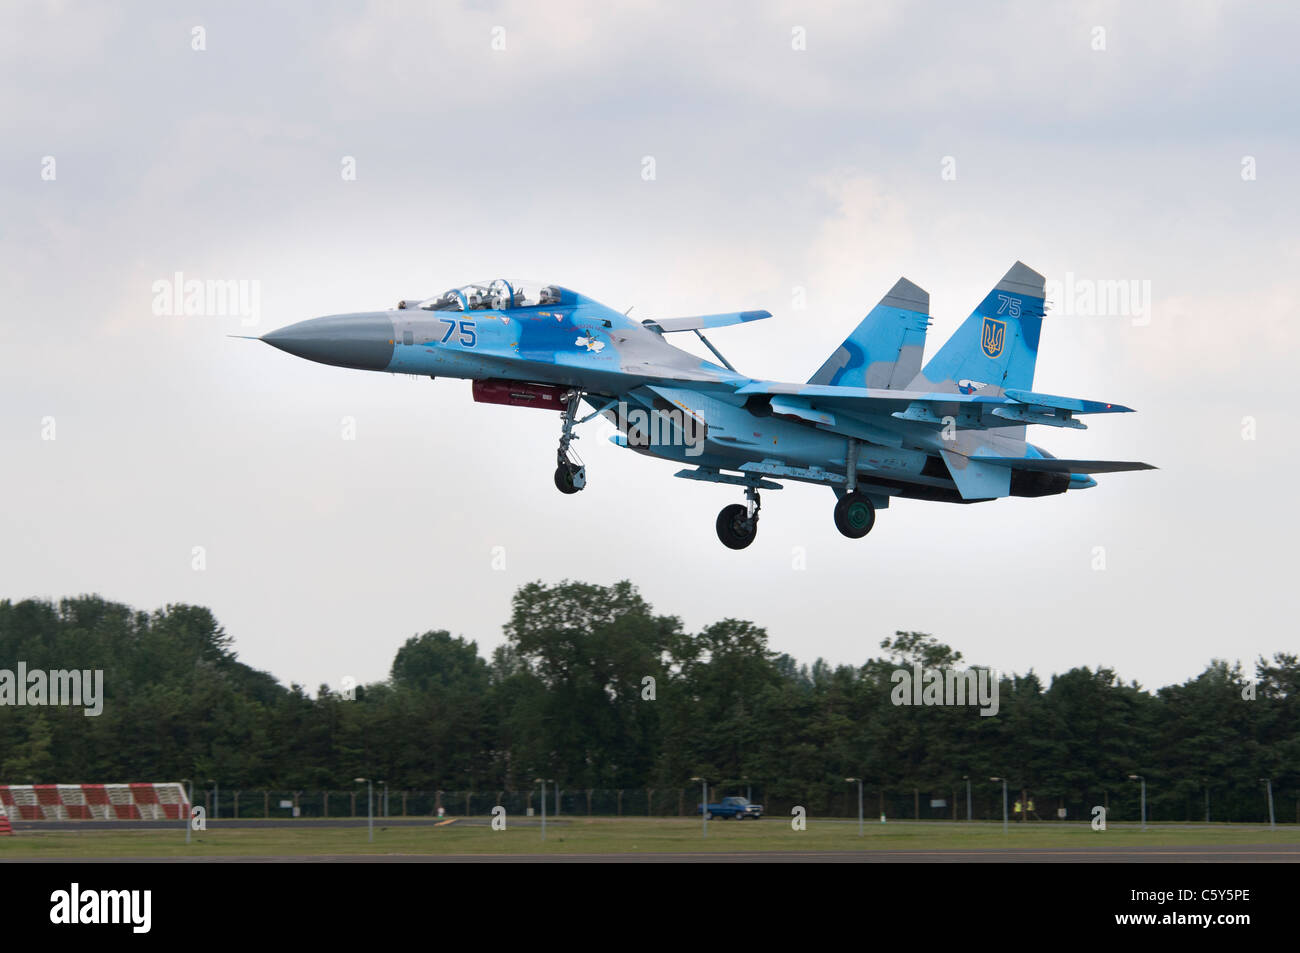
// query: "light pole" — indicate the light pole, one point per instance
point(542, 782)
point(370, 805)
point(1004, 802)
point(704, 803)
point(189, 808)
point(966, 778)
point(1272, 825)
point(1142, 778)
point(859, 780)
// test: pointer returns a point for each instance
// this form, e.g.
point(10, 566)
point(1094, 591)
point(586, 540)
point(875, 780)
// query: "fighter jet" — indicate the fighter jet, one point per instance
point(872, 424)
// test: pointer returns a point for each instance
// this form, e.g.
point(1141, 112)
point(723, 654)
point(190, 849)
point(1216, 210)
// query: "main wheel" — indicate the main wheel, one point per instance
point(568, 479)
point(735, 527)
point(854, 515)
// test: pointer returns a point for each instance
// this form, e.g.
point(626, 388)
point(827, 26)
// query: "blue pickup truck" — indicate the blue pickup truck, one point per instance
point(736, 808)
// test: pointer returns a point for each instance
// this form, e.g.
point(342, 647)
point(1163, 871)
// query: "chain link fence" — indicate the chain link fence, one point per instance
point(947, 805)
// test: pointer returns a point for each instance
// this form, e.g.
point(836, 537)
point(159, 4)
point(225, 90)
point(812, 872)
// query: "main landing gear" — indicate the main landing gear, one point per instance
point(738, 523)
point(855, 514)
point(570, 474)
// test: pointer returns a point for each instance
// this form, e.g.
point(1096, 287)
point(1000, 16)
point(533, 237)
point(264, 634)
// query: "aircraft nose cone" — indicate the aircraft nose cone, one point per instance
point(362, 341)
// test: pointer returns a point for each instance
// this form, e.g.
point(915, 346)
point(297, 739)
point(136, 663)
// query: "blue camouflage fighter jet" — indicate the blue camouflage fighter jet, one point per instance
point(872, 423)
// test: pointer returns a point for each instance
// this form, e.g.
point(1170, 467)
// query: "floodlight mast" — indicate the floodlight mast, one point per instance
point(543, 782)
point(370, 805)
point(859, 780)
point(1004, 802)
point(704, 803)
point(1142, 778)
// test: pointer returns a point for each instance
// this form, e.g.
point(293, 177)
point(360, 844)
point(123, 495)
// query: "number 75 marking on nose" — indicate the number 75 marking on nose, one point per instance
point(468, 336)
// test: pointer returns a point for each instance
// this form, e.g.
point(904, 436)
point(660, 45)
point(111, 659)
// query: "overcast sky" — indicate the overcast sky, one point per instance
point(1152, 143)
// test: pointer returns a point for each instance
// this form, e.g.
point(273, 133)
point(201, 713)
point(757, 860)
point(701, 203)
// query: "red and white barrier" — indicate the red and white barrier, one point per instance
point(156, 801)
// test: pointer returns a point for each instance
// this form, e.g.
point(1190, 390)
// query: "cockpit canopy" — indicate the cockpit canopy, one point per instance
point(500, 294)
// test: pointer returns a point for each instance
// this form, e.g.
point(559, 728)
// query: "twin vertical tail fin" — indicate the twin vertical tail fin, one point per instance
point(995, 349)
point(885, 349)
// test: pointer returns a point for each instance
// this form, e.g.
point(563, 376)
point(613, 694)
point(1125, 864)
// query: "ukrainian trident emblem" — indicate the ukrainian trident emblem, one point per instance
point(994, 334)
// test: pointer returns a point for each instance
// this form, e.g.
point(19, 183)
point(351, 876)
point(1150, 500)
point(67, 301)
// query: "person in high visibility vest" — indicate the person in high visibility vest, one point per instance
point(1015, 809)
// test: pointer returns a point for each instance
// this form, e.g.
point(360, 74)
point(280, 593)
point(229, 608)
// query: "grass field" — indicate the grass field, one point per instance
point(613, 835)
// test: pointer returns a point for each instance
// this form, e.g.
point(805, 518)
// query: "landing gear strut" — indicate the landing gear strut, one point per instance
point(855, 514)
point(738, 523)
point(570, 474)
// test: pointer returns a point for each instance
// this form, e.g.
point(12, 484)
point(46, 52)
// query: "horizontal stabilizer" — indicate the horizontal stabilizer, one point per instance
point(699, 322)
point(1052, 465)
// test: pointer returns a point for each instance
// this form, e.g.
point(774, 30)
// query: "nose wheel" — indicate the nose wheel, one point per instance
point(570, 477)
point(738, 523)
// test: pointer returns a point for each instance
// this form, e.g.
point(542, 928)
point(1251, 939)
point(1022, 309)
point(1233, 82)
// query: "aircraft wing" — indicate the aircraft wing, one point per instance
point(1015, 407)
point(699, 322)
point(871, 400)
point(1074, 405)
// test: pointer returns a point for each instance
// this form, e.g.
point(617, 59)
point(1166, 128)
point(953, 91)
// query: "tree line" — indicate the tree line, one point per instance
point(596, 690)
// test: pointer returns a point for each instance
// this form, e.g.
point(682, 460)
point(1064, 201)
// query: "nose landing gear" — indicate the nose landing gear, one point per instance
point(738, 523)
point(570, 474)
